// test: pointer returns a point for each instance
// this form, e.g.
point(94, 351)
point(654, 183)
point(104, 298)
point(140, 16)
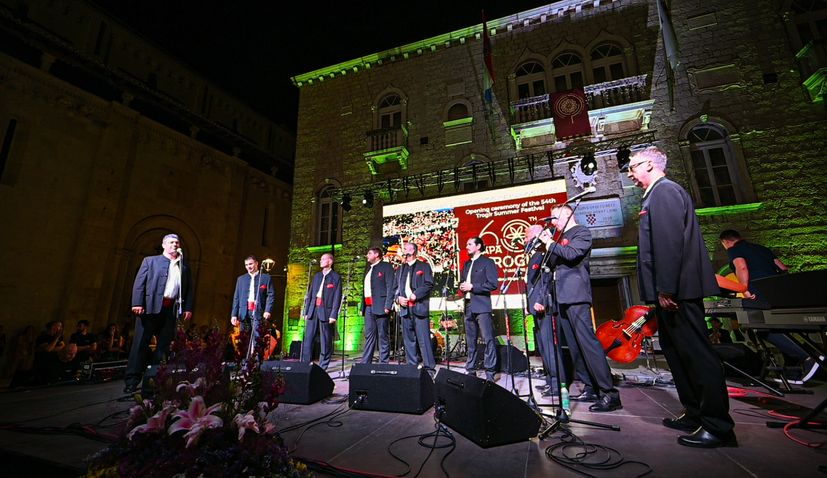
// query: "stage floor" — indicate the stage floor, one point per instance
point(38, 436)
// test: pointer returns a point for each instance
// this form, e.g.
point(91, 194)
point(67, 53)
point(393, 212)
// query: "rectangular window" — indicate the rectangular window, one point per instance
point(617, 71)
point(8, 140)
point(599, 75)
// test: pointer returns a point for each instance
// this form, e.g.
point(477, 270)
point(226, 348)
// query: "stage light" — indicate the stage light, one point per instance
point(623, 158)
point(367, 200)
point(346, 201)
point(588, 165)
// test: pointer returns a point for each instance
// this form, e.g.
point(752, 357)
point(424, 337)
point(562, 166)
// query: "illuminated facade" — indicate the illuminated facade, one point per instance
point(743, 122)
point(108, 144)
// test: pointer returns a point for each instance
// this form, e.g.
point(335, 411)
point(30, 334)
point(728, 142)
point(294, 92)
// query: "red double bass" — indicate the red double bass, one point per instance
point(623, 339)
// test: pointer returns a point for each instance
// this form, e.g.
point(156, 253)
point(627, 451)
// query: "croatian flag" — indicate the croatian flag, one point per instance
point(488, 59)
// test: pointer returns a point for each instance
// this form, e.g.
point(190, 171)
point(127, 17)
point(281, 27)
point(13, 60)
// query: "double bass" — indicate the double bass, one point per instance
point(623, 339)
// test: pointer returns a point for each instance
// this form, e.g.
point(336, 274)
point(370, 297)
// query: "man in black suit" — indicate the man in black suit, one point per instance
point(162, 286)
point(321, 310)
point(377, 301)
point(415, 279)
point(675, 274)
point(479, 277)
point(569, 257)
point(538, 281)
point(253, 300)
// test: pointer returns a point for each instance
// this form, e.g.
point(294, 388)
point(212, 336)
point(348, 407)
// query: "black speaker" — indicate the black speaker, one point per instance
point(519, 363)
point(482, 411)
point(390, 388)
point(295, 349)
point(304, 383)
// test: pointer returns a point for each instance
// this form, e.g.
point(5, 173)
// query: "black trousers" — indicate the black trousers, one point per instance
point(418, 330)
point(549, 351)
point(162, 326)
point(476, 324)
point(321, 324)
point(586, 352)
point(376, 327)
point(696, 368)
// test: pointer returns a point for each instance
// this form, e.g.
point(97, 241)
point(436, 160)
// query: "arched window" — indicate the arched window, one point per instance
point(457, 111)
point(390, 112)
point(328, 218)
point(607, 63)
point(531, 80)
point(713, 166)
point(567, 70)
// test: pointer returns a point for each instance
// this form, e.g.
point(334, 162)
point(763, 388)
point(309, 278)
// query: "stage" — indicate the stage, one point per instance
point(50, 430)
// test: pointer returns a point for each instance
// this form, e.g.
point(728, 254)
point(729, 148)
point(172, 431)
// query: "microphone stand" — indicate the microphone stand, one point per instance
point(562, 415)
point(444, 323)
point(301, 315)
point(503, 291)
point(343, 312)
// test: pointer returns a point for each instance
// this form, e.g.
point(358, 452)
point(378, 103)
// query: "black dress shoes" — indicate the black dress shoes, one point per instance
point(606, 404)
point(585, 396)
point(703, 439)
point(682, 423)
point(130, 388)
point(542, 387)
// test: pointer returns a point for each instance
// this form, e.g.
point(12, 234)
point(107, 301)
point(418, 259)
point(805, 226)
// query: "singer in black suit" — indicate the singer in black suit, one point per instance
point(414, 282)
point(479, 277)
point(675, 274)
point(538, 280)
point(379, 286)
point(569, 257)
point(162, 283)
point(253, 298)
point(321, 309)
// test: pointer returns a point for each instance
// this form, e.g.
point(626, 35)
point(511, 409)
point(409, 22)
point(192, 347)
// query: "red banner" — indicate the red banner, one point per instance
point(571, 114)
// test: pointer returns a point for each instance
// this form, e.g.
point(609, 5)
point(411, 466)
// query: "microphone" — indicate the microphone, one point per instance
point(180, 251)
point(588, 190)
point(356, 258)
point(530, 245)
point(313, 261)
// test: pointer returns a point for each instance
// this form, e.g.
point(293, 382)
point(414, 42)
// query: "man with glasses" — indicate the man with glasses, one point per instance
point(675, 274)
point(415, 279)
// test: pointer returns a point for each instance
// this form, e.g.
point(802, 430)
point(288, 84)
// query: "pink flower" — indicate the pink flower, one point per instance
point(155, 423)
point(245, 422)
point(196, 420)
point(191, 387)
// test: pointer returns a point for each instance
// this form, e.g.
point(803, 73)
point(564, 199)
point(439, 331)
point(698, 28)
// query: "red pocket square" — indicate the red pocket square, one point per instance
point(564, 242)
point(263, 287)
point(380, 275)
point(420, 273)
point(643, 212)
point(535, 266)
point(330, 286)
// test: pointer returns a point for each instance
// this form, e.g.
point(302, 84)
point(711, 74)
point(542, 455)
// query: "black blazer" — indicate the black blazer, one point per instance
point(672, 255)
point(538, 282)
point(484, 278)
point(382, 288)
point(570, 257)
point(422, 281)
point(266, 295)
point(331, 295)
point(151, 280)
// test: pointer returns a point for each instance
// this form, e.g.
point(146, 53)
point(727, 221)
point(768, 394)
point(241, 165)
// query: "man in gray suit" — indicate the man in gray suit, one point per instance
point(377, 301)
point(162, 283)
point(253, 300)
point(414, 282)
point(479, 277)
point(675, 274)
point(569, 257)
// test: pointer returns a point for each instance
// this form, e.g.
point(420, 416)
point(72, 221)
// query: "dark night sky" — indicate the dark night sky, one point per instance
point(251, 48)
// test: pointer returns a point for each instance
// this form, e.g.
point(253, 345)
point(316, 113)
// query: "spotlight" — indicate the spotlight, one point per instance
point(346, 201)
point(623, 158)
point(588, 165)
point(367, 200)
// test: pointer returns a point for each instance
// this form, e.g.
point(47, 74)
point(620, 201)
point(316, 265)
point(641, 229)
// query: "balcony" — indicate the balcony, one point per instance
point(624, 102)
point(812, 60)
point(388, 149)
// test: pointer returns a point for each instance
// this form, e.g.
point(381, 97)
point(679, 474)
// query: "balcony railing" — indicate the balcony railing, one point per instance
point(386, 138)
point(600, 95)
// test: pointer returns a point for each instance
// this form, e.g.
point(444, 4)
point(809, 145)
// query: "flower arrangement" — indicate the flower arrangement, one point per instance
point(201, 422)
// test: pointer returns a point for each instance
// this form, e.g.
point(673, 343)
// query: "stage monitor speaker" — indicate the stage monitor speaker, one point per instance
point(518, 360)
point(390, 388)
point(304, 383)
point(482, 411)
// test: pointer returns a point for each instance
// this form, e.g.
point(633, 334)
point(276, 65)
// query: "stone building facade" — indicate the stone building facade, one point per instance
point(742, 121)
point(109, 143)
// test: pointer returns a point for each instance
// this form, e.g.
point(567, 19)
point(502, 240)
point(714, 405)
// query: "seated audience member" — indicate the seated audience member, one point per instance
point(718, 335)
point(51, 354)
point(111, 344)
point(87, 344)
